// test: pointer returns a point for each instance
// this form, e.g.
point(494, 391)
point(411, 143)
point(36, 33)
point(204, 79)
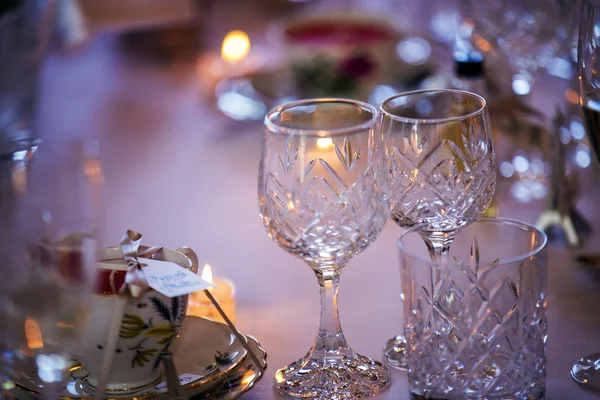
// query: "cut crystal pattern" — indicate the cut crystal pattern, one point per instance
point(476, 330)
point(323, 209)
point(440, 182)
point(321, 199)
point(347, 158)
point(290, 157)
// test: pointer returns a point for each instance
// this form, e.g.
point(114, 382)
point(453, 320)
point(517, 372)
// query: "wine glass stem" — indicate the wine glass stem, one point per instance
point(438, 244)
point(330, 339)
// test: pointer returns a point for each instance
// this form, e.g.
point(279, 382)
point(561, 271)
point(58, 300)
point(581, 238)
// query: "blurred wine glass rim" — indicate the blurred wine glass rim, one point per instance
point(387, 112)
point(275, 124)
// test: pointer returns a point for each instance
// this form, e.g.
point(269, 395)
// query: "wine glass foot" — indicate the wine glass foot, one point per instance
point(586, 372)
point(395, 352)
point(345, 377)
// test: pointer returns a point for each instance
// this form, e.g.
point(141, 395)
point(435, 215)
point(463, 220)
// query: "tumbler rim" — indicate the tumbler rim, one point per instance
point(505, 221)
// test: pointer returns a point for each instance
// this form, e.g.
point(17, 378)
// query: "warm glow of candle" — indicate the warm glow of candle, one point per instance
point(324, 143)
point(223, 292)
point(236, 46)
point(572, 96)
point(33, 334)
point(207, 273)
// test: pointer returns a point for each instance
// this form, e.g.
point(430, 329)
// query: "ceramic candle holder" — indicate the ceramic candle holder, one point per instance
point(149, 326)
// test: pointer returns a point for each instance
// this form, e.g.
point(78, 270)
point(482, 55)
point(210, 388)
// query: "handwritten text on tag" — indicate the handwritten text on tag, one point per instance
point(172, 280)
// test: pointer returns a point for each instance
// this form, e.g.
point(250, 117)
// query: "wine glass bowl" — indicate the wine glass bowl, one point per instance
point(322, 198)
point(440, 157)
point(315, 192)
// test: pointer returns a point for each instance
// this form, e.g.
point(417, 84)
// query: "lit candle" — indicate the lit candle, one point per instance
point(324, 143)
point(235, 60)
point(236, 46)
point(224, 293)
point(325, 150)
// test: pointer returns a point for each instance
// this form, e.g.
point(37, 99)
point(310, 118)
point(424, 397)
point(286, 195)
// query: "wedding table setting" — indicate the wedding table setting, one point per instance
point(173, 179)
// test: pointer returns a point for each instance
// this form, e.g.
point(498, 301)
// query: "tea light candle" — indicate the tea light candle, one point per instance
point(325, 150)
point(235, 60)
point(200, 306)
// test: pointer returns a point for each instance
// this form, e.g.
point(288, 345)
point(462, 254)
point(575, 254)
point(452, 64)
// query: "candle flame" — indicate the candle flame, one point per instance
point(324, 143)
point(33, 334)
point(236, 46)
point(207, 273)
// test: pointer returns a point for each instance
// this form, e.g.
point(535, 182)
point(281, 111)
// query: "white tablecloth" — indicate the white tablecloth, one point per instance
point(180, 173)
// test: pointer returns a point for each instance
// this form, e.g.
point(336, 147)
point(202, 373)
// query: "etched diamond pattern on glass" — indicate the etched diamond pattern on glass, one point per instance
point(476, 327)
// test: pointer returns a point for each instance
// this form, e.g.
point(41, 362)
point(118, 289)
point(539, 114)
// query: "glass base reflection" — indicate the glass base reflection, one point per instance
point(395, 353)
point(586, 372)
point(344, 375)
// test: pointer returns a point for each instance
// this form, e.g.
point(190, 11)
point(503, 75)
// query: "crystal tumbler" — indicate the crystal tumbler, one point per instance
point(475, 323)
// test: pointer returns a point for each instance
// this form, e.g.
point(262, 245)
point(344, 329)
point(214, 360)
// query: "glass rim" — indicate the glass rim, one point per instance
point(350, 129)
point(503, 221)
point(390, 115)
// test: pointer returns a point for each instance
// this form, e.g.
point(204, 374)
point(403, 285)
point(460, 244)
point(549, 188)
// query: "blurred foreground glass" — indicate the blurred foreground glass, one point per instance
point(442, 168)
point(321, 199)
point(24, 31)
point(47, 253)
point(586, 371)
point(476, 325)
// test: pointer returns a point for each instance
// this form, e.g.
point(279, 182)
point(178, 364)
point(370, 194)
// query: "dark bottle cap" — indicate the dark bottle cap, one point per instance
point(468, 64)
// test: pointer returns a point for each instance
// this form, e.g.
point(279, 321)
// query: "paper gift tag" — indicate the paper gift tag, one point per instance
point(171, 279)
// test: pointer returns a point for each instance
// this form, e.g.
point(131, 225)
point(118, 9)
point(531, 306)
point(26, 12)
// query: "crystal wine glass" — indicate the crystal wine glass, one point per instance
point(529, 33)
point(586, 371)
point(322, 198)
point(48, 204)
point(442, 169)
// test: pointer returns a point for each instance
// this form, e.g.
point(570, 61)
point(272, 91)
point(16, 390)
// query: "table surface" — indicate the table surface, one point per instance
point(182, 174)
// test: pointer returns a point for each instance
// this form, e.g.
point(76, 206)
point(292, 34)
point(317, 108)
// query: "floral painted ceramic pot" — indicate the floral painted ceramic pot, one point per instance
point(149, 326)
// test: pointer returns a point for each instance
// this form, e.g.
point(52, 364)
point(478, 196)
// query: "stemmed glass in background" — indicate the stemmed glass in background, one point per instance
point(529, 33)
point(48, 207)
point(589, 62)
point(585, 371)
point(442, 169)
point(322, 198)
